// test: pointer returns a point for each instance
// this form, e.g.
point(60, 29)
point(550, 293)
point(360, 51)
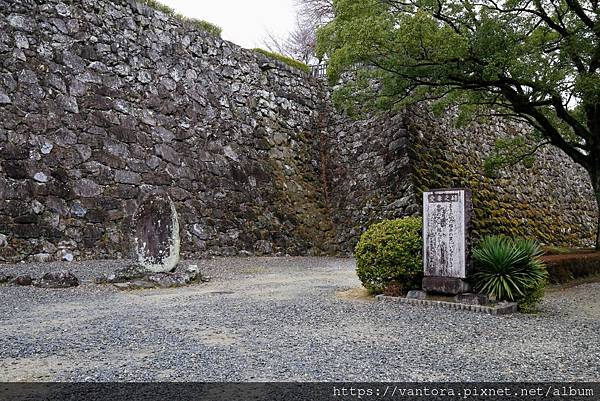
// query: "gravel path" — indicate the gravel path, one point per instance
point(282, 319)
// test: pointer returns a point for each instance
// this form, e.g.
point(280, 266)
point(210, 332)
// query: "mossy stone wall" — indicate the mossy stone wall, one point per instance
point(551, 201)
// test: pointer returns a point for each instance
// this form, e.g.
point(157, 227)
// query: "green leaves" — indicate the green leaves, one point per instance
point(390, 252)
point(508, 269)
point(534, 62)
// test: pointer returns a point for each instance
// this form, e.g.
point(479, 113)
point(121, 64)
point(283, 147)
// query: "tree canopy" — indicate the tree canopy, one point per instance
point(535, 61)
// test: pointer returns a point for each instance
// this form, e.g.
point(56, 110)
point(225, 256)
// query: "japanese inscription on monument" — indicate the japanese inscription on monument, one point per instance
point(445, 219)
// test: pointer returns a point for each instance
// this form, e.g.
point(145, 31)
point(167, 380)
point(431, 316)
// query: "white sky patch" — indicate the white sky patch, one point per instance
point(244, 22)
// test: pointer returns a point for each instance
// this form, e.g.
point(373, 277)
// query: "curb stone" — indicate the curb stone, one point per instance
point(501, 309)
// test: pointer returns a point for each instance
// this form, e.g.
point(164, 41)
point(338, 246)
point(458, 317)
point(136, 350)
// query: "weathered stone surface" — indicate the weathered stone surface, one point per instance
point(127, 177)
point(137, 277)
point(78, 210)
point(258, 158)
point(41, 257)
point(24, 280)
point(416, 294)
point(5, 278)
point(446, 230)
point(445, 285)
point(40, 177)
point(87, 188)
point(4, 98)
point(502, 308)
point(505, 308)
point(157, 242)
point(472, 299)
point(168, 153)
point(46, 148)
point(61, 279)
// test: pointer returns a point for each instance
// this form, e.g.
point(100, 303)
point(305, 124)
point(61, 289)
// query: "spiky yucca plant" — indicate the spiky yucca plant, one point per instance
point(509, 269)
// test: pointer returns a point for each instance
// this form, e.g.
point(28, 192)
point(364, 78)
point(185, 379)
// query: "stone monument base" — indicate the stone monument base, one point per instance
point(445, 285)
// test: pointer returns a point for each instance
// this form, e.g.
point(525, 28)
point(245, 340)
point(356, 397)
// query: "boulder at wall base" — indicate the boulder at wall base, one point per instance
point(61, 279)
point(23, 280)
point(157, 234)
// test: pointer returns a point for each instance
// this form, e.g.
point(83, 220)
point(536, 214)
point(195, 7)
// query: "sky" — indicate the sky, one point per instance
point(244, 22)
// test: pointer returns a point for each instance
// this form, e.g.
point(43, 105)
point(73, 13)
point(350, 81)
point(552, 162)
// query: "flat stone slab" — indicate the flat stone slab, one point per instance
point(135, 277)
point(503, 308)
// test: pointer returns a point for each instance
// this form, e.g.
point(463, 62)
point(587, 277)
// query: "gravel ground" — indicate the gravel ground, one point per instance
point(282, 319)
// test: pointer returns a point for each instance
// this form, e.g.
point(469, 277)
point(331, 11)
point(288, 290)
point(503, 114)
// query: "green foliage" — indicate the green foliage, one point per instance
point(206, 26)
point(284, 59)
point(508, 152)
point(389, 253)
point(200, 24)
point(534, 62)
point(510, 269)
point(163, 8)
point(532, 298)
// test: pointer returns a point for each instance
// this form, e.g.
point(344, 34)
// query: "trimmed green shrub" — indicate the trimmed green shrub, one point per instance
point(201, 24)
point(389, 254)
point(284, 59)
point(510, 270)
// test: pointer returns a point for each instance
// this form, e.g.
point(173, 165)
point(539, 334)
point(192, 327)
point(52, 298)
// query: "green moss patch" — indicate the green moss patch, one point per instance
point(284, 59)
point(200, 24)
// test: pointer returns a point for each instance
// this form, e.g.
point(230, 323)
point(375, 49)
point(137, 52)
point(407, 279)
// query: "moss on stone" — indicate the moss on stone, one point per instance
point(495, 211)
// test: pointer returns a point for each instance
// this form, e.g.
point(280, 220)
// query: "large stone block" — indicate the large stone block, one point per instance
point(157, 242)
point(445, 285)
point(446, 226)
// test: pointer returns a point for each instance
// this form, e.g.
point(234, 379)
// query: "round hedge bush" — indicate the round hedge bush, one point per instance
point(389, 254)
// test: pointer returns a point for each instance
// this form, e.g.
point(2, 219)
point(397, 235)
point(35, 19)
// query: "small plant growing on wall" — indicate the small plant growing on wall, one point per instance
point(284, 59)
point(206, 26)
point(510, 270)
point(389, 256)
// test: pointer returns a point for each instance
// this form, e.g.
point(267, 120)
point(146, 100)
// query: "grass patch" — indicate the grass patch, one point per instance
point(206, 26)
point(284, 59)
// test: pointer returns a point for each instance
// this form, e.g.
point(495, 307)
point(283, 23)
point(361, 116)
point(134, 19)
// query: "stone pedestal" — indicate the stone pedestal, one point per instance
point(446, 285)
point(446, 244)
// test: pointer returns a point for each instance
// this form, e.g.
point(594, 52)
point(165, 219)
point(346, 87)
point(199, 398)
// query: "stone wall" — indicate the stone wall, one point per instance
point(371, 174)
point(552, 200)
point(103, 101)
point(381, 165)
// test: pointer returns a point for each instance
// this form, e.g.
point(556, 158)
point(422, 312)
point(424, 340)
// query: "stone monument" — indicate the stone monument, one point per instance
point(156, 249)
point(446, 245)
point(157, 234)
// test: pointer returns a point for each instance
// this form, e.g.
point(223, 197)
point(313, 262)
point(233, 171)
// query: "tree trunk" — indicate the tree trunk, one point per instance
point(595, 176)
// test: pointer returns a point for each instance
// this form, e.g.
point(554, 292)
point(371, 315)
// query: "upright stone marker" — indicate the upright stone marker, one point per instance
point(157, 234)
point(446, 226)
